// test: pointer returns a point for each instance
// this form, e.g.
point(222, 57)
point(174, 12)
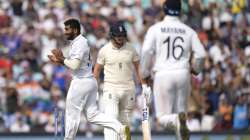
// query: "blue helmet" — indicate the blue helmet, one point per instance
point(117, 29)
point(172, 7)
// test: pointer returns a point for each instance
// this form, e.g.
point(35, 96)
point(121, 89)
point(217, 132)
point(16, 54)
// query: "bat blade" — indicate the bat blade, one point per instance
point(146, 131)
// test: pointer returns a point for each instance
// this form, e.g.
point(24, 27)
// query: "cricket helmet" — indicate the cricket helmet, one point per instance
point(172, 7)
point(117, 29)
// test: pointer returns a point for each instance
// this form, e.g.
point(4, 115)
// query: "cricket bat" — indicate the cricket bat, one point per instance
point(146, 131)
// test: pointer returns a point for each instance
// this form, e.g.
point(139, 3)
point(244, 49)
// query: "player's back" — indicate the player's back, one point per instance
point(172, 41)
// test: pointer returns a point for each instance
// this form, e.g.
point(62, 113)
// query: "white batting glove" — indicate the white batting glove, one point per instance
point(146, 91)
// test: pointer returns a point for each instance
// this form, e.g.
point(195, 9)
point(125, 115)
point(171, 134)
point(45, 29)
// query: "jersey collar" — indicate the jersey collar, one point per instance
point(76, 38)
point(114, 48)
point(171, 18)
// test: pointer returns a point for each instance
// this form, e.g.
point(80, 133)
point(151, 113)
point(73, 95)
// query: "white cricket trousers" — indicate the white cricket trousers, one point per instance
point(119, 104)
point(82, 97)
point(171, 91)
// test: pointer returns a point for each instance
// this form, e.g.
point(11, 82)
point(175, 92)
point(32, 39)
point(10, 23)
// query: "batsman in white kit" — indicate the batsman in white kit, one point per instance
point(119, 60)
point(172, 43)
point(82, 92)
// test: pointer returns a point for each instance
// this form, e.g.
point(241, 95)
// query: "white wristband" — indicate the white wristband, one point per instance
point(72, 63)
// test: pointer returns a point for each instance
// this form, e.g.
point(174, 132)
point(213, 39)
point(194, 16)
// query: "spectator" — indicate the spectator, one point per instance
point(19, 125)
point(240, 120)
point(12, 100)
point(208, 119)
point(224, 118)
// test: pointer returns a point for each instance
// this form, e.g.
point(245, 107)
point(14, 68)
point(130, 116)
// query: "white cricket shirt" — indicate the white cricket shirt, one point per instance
point(172, 42)
point(118, 65)
point(79, 49)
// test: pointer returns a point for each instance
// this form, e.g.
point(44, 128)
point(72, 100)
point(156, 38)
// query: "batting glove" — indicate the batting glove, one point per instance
point(146, 91)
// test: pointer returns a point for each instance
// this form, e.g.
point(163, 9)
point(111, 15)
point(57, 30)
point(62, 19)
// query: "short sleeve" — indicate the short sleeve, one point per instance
point(101, 57)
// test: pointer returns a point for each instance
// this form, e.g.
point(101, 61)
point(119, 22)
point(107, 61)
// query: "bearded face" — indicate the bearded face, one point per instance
point(69, 33)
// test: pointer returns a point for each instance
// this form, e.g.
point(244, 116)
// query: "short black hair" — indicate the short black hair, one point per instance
point(73, 23)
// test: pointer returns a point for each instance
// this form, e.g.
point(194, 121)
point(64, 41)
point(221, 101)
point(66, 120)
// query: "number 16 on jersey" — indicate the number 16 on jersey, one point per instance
point(146, 132)
point(173, 46)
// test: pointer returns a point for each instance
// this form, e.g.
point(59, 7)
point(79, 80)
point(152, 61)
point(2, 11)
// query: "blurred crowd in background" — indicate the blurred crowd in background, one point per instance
point(31, 87)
